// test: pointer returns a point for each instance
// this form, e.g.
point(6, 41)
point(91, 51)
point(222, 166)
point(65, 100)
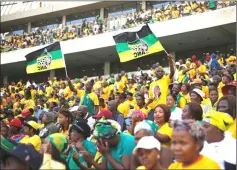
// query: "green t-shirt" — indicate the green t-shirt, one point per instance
point(89, 146)
point(124, 148)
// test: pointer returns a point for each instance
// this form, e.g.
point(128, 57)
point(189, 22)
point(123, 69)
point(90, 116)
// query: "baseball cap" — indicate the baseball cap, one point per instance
point(104, 113)
point(25, 113)
point(147, 142)
point(15, 122)
point(32, 123)
point(28, 154)
point(225, 88)
point(199, 92)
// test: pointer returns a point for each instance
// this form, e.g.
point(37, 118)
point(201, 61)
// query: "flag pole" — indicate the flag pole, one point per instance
point(65, 66)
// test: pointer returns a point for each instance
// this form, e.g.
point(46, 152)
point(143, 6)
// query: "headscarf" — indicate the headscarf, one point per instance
point(59, 141)
point(219, 119)
point(148, 125)
point(105, 129)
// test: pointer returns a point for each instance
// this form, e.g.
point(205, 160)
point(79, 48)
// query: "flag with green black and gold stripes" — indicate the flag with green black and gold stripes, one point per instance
point(133, 45)
point(47, 58)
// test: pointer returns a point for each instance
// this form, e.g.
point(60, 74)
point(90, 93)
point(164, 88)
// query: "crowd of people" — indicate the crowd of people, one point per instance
point(45, 36)
point(184, 119)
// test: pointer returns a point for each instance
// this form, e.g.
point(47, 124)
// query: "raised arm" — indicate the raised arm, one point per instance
point(171, 64)
point(72, 88)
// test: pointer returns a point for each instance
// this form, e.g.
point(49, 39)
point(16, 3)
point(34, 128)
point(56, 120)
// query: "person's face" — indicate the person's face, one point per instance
point(44, 118)
point(148, 157)
point(75, 136)
point(225, 80)
point(231, 91)
point(118, 78)
point(140, 134)
point(26, 130)
point(139, 101)
point(195, 98)
point(214, 96)
point(175, 89)
point(112, 106)
point(159, 115)
point(88, 86)
point(210, 131)
point(129, 97)
point(223, 106)
point(4, 131)
point(13, 130)
point(159, 72)
point(130, 85)
point(112, 142)
point(62, 101)
point(184, 147)
point(186, 115)
point(170, 101)
point(17, 98)
point(62, 119)
point(117, 99)
point(184, 88)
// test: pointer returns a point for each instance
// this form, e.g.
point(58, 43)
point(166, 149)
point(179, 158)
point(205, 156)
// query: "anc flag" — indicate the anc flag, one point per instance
point(133, 45)
point(44, 59)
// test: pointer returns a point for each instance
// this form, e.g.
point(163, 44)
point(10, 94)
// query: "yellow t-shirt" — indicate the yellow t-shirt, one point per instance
point(166, 130)
point(67, 93)
point(119, 87)
point(33, 94)
point(77, 85)
point(105, 93)
point(132, 90)
point(132, 102)
point(141, 168)
point(143, 110)
point(202, 69)
point(97, 85)
point(34, 140)
point(232, 129)
point(92, 95)
point(201, 163)
point(103, 108)
point(29, 104)
point(124, 80)
point(180, 76)
point(48, 90)
point(205, 90)
point(124, 109)
point(163, 83)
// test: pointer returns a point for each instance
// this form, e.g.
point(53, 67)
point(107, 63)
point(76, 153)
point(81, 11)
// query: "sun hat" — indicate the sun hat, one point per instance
point(225, 88)
point(147, 142)
point(198, 92)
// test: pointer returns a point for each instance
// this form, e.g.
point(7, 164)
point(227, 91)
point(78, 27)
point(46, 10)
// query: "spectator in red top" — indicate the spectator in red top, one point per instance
point(195, 61)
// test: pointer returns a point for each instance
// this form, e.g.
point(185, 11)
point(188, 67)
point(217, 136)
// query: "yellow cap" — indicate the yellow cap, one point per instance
point(33, 124)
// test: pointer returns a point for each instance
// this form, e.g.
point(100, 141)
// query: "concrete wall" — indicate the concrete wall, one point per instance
point(162, 29)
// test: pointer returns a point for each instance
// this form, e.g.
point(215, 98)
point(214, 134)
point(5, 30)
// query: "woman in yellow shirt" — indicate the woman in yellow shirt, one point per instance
point(185, 89)
point(187, 142)
point(64, 119)
point(161, 117)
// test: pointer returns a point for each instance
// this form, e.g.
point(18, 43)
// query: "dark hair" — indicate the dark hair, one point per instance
point(166, 110)
point(231, 104)
point(212, 88)
point(56, 156)
point(173, 96)
point(187, 86)
point(121, 95)
point(54, 103)
point(140, 95)
point(36, 132)
point(66, 113)
point(195, 110)
point(129, 94)
point(31, 111)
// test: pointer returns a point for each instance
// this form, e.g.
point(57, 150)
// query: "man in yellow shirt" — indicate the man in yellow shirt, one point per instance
point(163, 82)
point(28, 102)
point(119, 86)
point(87, 97)
point(105, 91)
point(124, 78)
point(123, 107)
point(31, 135)
point(48, 89)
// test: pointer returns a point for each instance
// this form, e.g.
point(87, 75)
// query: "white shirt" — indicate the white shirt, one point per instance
point(176, 114)
point(215, 152)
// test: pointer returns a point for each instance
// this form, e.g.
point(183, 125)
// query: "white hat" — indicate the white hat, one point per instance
point(177, 64)
point(199, 92)
point(147, 142)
